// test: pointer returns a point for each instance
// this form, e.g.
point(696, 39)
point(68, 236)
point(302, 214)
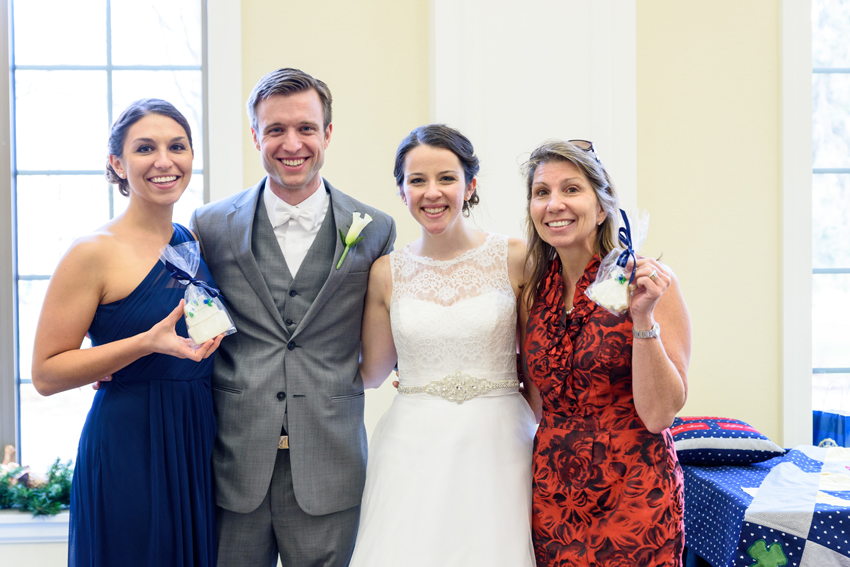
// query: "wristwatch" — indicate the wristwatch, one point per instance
point(653, 333)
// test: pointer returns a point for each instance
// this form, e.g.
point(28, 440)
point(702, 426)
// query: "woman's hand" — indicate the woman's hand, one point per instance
point(164, 339)
point(651, 281)
point(173, 344)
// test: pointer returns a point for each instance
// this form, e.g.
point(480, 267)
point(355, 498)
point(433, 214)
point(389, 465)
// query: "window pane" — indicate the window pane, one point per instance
point(830, 120)
point(831, 392)
point(59, 32)
point(156, 32)
point(830, 23)
point(180, 88)
point(50, 427)
point(61, 120)
point(30, 298)
point(831, 221)
point(53, 210)
point(830, 314)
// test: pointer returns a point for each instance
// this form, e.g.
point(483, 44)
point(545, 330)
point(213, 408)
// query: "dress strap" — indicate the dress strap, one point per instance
point(181, 234)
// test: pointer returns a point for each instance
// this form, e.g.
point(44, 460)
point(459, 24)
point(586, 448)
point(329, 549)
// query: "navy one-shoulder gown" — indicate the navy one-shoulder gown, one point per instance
point(142, 490)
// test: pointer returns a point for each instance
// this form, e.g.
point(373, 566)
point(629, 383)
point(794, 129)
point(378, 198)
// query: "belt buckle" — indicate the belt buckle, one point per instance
point(283, 442)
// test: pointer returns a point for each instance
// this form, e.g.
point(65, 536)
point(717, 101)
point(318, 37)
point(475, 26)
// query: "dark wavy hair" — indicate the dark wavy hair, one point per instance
point(447, 138)
point(132, 114)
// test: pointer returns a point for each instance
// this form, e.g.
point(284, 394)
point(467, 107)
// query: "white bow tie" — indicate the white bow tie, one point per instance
point(303, 215)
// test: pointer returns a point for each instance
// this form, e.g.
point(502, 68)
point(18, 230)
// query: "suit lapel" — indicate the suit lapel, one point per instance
point(240, 222)
point(343, 210)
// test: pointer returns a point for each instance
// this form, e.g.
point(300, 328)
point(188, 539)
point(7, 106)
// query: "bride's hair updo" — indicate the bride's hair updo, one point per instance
point(447, 138)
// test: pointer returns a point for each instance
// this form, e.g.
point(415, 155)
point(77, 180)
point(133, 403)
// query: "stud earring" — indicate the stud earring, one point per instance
point(599, 223)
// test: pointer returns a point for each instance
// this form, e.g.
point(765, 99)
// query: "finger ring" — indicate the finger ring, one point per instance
point(653, 276)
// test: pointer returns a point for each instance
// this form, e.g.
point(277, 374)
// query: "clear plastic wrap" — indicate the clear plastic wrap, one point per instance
point(611, 289)
point(205, 314)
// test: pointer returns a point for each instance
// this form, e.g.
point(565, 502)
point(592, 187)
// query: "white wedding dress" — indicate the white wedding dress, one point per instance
point(448, 483)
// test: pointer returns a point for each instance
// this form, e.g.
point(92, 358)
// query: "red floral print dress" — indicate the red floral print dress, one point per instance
point(606, 491)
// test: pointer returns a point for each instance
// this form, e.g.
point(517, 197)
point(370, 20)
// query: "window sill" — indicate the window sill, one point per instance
point(21, 527)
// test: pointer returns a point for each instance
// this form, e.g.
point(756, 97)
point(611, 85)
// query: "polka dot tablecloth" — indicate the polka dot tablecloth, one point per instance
point(779, 512)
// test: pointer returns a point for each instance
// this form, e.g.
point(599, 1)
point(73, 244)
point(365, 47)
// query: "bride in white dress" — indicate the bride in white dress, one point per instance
point(448, 481)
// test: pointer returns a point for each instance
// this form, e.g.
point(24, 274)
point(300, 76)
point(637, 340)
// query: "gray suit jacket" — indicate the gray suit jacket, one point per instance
point(316, 367)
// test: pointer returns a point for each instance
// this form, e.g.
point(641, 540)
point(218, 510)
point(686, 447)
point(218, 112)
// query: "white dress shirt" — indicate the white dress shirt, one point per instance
point(296, 227)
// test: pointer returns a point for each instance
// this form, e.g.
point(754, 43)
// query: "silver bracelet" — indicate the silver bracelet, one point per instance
point(653, 333)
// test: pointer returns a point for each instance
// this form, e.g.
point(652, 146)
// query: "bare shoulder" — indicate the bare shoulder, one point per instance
point(672, 309)
point(675, 290)
point(670, 272)
point(517, 270)
point(516, 251)
point(86, 263)
point(380, 271)
point(380, 287)
point(90, 251)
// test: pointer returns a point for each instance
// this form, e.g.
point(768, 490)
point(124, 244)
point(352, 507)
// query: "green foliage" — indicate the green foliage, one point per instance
point(46, 500)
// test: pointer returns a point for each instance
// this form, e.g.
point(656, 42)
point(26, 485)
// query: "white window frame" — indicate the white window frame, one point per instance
point(8, 350)
point(796, 219)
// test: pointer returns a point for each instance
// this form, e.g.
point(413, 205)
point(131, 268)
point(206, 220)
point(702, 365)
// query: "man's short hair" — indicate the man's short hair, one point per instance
point(286, 82)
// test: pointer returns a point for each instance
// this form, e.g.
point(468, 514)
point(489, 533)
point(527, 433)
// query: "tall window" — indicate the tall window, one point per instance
point(75, 67)
point(831, 205)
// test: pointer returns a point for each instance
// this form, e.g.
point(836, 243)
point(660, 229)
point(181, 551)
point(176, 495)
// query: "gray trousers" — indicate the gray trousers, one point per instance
point(280, 526)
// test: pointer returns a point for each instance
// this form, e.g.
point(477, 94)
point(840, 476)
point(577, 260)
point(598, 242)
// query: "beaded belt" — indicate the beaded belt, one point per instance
point(459, 387)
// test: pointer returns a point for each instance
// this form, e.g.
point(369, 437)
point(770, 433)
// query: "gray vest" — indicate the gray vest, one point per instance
point(292, 297)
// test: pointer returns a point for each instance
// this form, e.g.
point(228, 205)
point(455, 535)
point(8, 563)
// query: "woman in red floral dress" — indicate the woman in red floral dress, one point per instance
point(607, 484)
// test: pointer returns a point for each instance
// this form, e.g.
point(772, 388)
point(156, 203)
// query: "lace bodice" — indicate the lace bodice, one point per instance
point(455, 315)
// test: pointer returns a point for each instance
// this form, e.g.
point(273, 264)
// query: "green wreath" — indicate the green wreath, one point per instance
point(46, 499)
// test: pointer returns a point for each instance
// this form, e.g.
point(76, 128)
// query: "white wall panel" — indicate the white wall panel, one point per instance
point(510, 75)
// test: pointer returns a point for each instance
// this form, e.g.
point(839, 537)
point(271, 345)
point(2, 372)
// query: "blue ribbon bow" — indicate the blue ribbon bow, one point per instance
point(625, 235)
point(186, 279)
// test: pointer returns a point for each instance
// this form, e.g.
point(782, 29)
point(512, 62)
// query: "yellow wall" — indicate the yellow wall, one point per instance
point(374, 57)
point(707, 151)
point(708, 148)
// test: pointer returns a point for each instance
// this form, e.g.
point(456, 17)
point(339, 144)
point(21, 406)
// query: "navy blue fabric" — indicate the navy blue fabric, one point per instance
point(718, 529)
point(828, 425)
point(715, 506)
point(142, 491)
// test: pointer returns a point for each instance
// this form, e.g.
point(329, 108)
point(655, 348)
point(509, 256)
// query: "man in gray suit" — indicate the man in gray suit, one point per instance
point(290, 454)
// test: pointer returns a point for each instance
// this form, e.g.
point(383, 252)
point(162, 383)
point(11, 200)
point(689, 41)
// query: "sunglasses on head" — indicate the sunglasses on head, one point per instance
point(587, 146)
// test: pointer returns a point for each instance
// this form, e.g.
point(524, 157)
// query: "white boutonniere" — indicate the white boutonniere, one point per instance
point(353, 236)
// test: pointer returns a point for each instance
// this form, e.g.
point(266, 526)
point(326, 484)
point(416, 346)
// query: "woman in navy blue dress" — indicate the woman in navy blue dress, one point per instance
point(142, 490)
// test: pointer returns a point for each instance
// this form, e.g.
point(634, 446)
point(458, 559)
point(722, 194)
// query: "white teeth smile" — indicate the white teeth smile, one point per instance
point(166, 179)
point(434, 211)
point(557, 224)
point(293, 162)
